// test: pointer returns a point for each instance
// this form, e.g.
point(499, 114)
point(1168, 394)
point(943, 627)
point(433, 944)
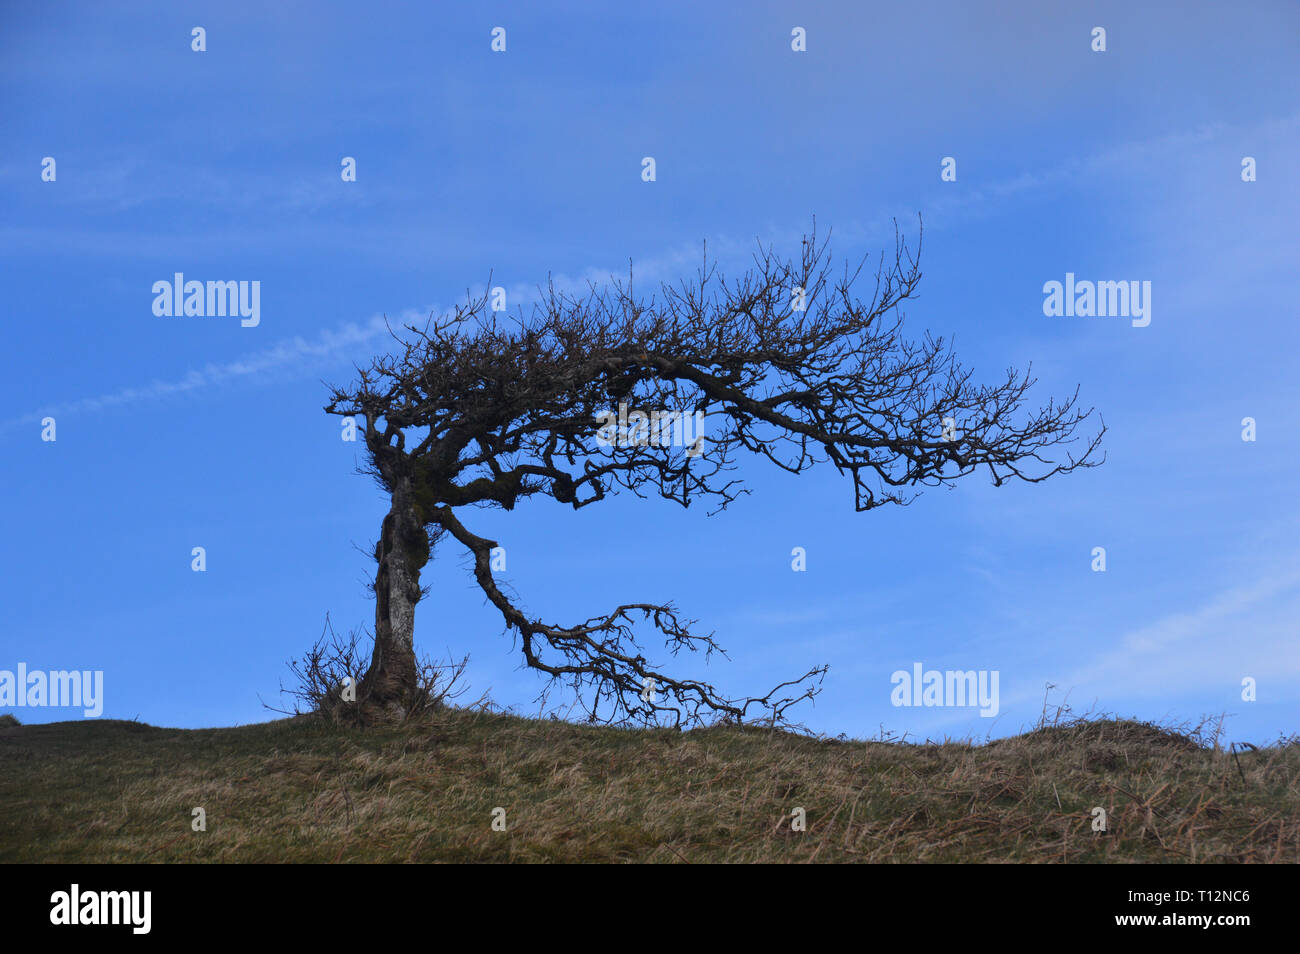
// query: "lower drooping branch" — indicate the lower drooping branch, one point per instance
point(601, 660)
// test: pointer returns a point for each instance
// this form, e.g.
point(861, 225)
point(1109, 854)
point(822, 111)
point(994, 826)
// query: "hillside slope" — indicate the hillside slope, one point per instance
point(302, 790)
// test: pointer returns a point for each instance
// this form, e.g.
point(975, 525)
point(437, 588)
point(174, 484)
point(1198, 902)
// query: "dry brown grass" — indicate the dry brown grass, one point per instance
point(306, 791)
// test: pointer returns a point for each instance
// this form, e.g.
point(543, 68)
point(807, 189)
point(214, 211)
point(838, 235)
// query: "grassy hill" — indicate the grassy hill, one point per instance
point(304, 790)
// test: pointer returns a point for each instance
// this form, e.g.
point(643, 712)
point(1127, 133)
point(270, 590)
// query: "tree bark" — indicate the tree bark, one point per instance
point(390, 685)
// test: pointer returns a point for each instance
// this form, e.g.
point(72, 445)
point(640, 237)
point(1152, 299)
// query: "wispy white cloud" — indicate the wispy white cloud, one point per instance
point(292, 352)
point(1243, 630)
point(1246, 630)
point(671, 263)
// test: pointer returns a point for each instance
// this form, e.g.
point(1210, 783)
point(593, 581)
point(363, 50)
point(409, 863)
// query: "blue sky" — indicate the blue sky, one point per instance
point(225, 164)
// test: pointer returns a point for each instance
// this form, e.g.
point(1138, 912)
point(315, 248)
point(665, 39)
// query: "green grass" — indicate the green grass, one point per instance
point(304, 790)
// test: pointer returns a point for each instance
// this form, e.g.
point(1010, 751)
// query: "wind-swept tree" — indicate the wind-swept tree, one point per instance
point(475, 410)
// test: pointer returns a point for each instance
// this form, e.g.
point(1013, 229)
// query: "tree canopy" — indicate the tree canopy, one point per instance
point(476, 408)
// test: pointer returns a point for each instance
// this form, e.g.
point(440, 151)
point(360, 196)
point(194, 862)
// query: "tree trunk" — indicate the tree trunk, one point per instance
point(389, 687)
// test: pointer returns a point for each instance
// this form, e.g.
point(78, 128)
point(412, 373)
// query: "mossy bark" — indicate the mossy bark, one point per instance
point(389, 687)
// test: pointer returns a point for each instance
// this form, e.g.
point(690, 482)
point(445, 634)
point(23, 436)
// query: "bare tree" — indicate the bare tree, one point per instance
point(473, 410)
